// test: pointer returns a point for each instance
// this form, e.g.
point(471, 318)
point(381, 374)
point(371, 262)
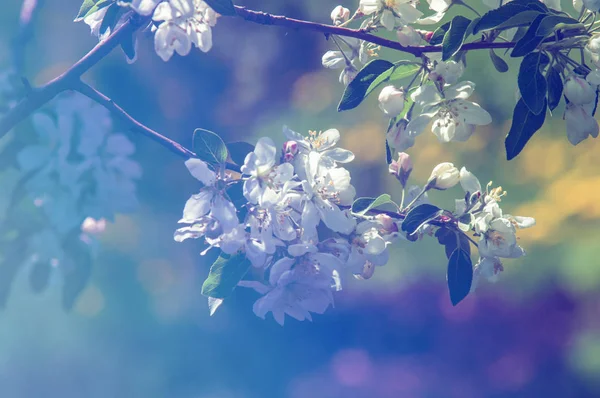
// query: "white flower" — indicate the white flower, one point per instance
point(580, 123)
point(320, 142)
point(209, 212)
point(339, 15)
point(333, 60)
point(143, 7)
point(368, 249)
point(593, 44)
point(409, 36)
point(579, 91)
point(488, 268)
point(444, 176)
point(298, 286)
point(391, 101)
point(500, 240)
point(447, 72)
point(391, 12)
point(348, 74)
point(183, 22)
point(327, 188)
point(439, 6)
point(454, 118)
point(592, 5)
point(398, 136)
point(469, 182)
point(260, 166)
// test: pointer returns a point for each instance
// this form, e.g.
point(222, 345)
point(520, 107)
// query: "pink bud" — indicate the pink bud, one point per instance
point(427, 36)
point(290, 147)
point(388, 225)
point(401, 168)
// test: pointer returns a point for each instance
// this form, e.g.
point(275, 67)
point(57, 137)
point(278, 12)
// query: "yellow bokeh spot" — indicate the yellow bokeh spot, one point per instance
point(313, 92)
point(366, 141)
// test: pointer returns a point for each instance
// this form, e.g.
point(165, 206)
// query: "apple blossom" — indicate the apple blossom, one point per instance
point(391, 100)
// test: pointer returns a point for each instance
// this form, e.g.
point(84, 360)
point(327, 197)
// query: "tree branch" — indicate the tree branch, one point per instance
point(40, 96)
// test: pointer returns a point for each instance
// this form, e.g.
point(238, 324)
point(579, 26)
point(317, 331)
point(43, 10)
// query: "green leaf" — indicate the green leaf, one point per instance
point(40, 276)
point(419, 216)
point(460, 275)
point(454, 37)
point(91, 6)
point(363, 205)
point(532, 84)
point(128, 47)
point(225, 274)
point(493, 18)
point(450, 239)
point(532, 5)
point(209, 147)
point(555, 88)
point(524, 125)
point(438, 34)
point(356, 91)
point(500, 64)
point(110, 18)
point(238, 151)
point(388, 152)
point(548, 24)
point(521, 19)
point(80, 268)
point(530, 39)
point(223, 7)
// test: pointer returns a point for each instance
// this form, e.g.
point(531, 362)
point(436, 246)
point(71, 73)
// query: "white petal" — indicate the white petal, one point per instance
point(200, 171)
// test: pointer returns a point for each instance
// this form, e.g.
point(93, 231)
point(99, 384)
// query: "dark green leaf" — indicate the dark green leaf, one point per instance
point(450, 239)
point(493, 18)
point(40, 276)
point(524, 124)
point(110, 18)
point(460, 275)
point(388, 152)
point(455, 36)
point(356, 91)
point(555, 88)
point(521, 19)
point(363, 205)
point(128, 47)
point(549, 23)
point(438, 34)
point(238, 151)
point(532, 4)
point(79, 271)
point(223, 7)
point(532, 83)
point(91, 6)
point(225, 274)
point(472, 26)
point(419, 216)
point(209, 147)
point(530, 40)
point(500, 64)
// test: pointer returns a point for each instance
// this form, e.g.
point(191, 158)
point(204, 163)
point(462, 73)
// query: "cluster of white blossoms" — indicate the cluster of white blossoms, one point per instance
point(297, 228)
point(78, 173)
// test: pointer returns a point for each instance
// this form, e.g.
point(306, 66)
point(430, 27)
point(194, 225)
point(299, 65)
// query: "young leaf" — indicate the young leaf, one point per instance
point(363, 205)
point(500, 64)
point(450, 240)
point(530, 39)
point(209, 147)
point(493, 18)
point(400, 70)
point(454, 37)
point(460, 275)
point(419, 216)
point(549, 24)
point(524, 124)
point(438, 34)
point(77, 277)
point(223, 7)
point(356, 91)
point(521, 19)
point(88, 7)
point(532, 84)
point(555, 88)
point(238, 151)
point(224, 275)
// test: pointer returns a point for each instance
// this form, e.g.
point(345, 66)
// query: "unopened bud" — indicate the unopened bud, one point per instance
point(427, 36)
point(348, 74)
point(388, 225)
point(339, 15)
point(444, 176)
point(401, 168)
point(290, 147)
point(391, 101)
point(579, 91)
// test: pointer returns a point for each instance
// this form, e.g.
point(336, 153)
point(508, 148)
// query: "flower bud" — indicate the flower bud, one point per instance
point(339, 15)
point(391, 101)
point(333, 59)
point(401, 168)
point(427, 36)
point(348, 74)
point(409, 36)
point(447, 72)
point(92, 226)
point(579, 91)
point(580, 124)
point(388, 224)
point(444, 176)
point(290, 147)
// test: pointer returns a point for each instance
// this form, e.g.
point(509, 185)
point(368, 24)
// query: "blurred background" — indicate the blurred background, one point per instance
point(141, 327)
